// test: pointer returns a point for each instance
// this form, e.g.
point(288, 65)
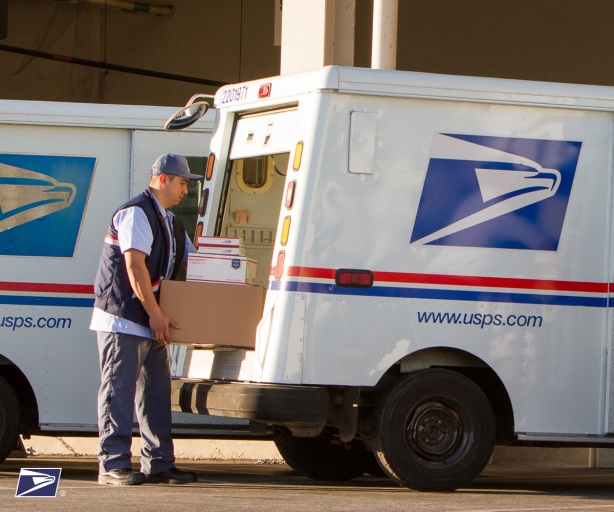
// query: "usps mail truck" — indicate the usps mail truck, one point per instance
point(64, 169)
point(440, 269)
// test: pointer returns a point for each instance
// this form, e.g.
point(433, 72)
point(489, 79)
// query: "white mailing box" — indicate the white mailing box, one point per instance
point(229, 251)
point(206, 268)
point(218, 241)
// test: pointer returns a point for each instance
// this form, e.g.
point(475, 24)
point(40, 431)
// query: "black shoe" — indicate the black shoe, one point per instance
point(171, 476)
point(121, 477)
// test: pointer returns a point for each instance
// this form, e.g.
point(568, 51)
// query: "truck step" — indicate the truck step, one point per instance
point(209, 364)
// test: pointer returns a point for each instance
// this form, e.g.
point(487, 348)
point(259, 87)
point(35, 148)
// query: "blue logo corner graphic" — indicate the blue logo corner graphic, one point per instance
point(42, 203)
point(38, 483)
point(495, 192)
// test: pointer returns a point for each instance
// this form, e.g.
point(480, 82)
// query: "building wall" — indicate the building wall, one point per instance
point(223, 40)
point(232, 40)
point(547, 40)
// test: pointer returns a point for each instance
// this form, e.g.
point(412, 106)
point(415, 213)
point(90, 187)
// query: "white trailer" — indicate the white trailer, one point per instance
point(440, 272)
point(64, 169)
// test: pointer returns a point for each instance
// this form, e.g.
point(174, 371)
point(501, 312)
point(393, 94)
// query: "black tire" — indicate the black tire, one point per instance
point(319, 458)
point(9, 419)
point(434, 430)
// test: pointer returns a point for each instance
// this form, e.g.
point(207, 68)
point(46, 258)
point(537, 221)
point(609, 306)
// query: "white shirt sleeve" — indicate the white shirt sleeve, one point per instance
point(133, 230)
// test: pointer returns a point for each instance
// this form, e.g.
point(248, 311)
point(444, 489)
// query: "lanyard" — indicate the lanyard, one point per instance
point(173, 249)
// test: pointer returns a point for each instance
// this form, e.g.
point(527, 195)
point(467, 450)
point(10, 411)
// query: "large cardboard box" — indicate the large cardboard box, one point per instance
point(213, 314)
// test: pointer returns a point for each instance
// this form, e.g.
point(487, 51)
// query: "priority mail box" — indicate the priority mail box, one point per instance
point(211, 268)
point(213, 314)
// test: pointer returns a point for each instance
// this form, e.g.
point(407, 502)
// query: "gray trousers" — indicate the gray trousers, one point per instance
point(135, 376)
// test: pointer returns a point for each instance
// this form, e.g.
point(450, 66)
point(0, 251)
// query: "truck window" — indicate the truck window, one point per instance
point(254, 175)
point(187, 210)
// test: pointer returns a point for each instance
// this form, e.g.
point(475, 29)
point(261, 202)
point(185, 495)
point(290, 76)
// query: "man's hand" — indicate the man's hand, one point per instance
point(140, 282)
point(159, 324)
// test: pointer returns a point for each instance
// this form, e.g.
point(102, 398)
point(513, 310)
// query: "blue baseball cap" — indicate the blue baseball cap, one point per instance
point(173, 165)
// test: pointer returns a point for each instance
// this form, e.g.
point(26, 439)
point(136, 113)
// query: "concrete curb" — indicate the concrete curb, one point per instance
point(265, 451)
point(195, 449)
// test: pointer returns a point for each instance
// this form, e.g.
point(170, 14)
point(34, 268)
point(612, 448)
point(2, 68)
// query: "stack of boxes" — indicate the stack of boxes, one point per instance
point(221, 260)
point(211, 314)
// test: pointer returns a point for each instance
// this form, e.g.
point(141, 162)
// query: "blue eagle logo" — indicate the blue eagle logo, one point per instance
point(28, 195)
point(42, 203)
point(497, 192)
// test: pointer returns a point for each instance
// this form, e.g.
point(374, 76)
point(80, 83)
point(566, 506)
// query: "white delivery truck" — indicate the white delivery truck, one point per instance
point(64, 169)
point(440, 272)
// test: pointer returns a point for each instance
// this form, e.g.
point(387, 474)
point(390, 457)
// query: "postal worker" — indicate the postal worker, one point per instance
point(145, 243)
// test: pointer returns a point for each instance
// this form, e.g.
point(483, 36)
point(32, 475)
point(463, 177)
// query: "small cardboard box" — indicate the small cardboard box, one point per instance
point(243, 217)
point(213, 314)
point(211, 268)
point(218, 241)
point(229, 251)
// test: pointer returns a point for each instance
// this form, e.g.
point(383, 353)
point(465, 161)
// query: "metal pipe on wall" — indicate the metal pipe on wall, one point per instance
point(111, 67)
point(384, 44)
point(125, 5)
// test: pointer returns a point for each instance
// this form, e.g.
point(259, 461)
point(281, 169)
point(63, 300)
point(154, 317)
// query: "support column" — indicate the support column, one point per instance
point(385, 21)
point(317, 33)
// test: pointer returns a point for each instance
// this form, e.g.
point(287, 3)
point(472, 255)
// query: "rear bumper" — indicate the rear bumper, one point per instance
point(267, 403)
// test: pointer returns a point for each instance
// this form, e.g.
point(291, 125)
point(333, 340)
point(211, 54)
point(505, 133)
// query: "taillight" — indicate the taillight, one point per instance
point(264, 91)
point(290, 194)
point(351, 278)
point(210, 164)
point(202, 207)
point(199, 233)
point(285, 231)
point(298, 154)
point(279, 268)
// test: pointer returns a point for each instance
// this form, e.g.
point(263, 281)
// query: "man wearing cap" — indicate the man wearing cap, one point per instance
point(144, 244)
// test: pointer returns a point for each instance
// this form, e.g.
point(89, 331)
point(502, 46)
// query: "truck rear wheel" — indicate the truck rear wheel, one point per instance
point(319, 458)
point(434, 430)
point(9, 419)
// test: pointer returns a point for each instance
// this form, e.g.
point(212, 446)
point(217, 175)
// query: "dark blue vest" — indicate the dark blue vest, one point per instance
point(114, 293)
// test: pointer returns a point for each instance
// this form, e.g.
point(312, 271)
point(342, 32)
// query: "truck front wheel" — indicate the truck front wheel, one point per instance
point(9, 419)
point(320, 458)
point(434, 430)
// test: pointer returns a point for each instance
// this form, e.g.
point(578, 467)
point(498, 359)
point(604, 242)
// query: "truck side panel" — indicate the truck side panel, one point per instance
point(522, 286)
point(59, 185)
point(46, 324)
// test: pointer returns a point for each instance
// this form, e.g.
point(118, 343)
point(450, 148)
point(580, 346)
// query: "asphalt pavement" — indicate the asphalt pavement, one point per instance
point(272, 487)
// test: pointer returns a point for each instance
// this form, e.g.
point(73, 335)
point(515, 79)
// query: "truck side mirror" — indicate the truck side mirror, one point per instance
point(188, 115)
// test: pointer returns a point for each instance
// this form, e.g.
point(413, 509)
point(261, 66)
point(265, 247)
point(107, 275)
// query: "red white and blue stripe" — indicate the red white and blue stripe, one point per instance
point(453, 287)
point(47, 294)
